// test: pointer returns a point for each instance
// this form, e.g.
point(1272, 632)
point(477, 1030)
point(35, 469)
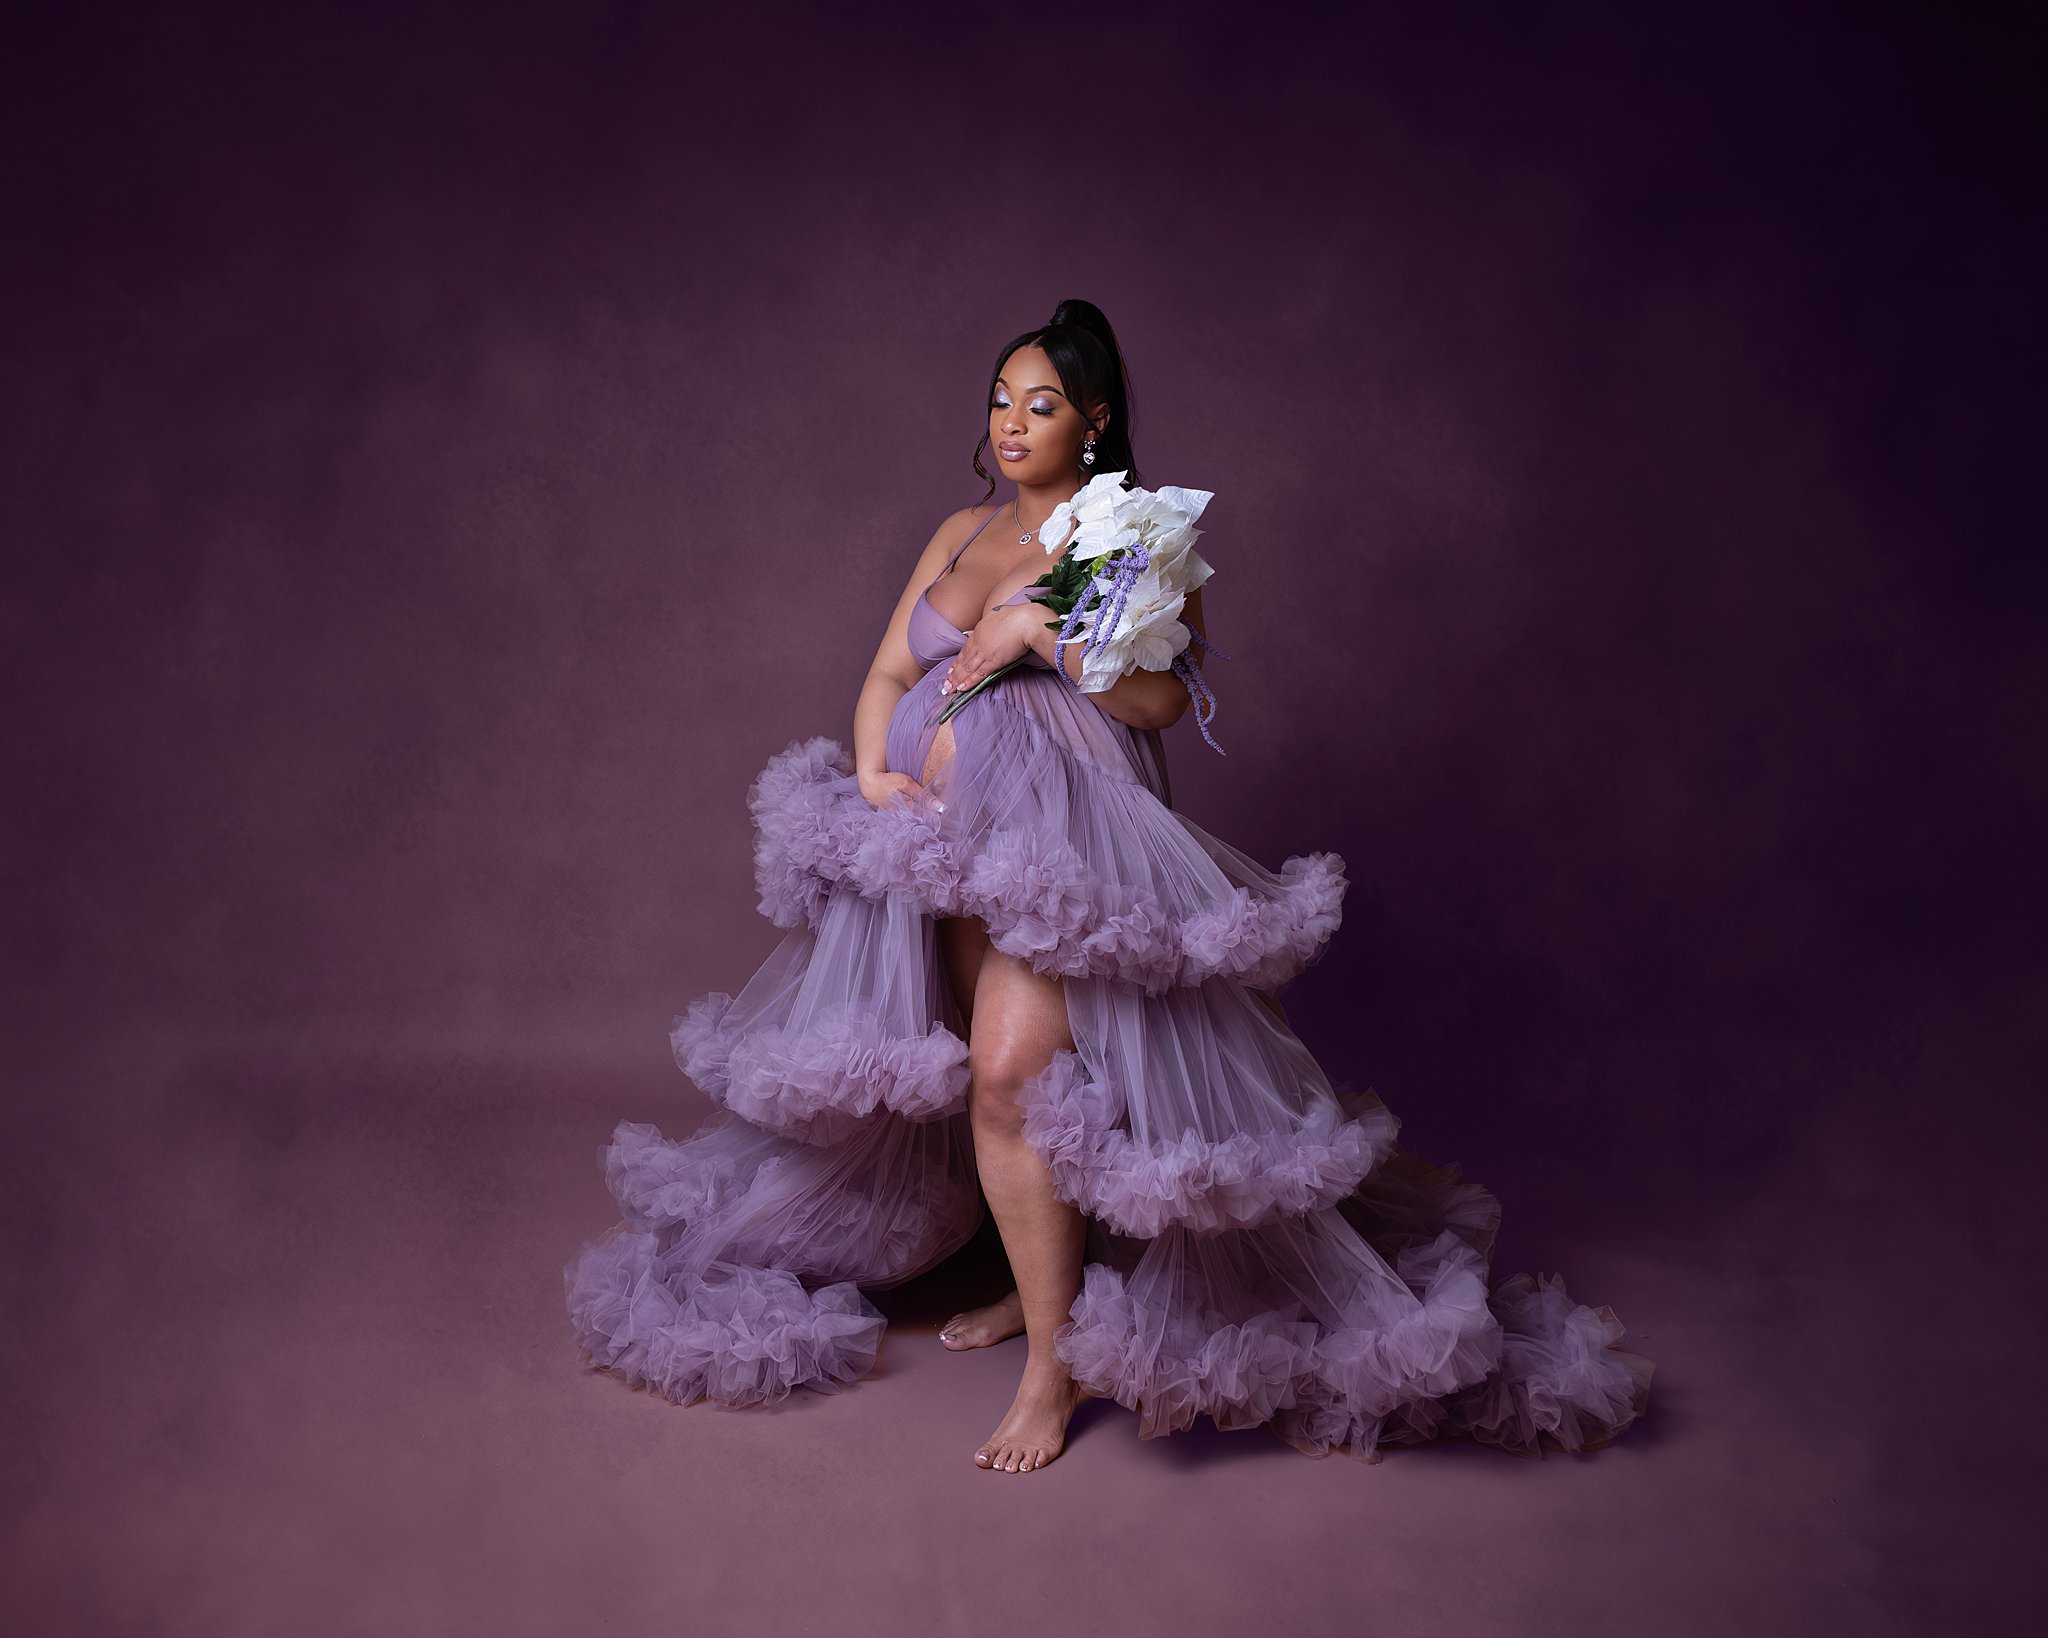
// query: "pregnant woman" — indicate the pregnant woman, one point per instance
point(1014, 976)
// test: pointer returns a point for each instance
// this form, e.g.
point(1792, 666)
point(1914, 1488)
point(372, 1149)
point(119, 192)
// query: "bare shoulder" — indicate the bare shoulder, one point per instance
point(959, 525)
point(953, 532)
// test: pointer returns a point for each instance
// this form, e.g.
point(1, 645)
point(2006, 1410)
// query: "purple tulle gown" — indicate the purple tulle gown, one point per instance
point(1259, 1249)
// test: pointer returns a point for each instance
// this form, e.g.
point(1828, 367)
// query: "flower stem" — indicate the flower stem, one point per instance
point(961, 699)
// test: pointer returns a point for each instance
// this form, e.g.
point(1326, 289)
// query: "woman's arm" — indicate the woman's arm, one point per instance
point(1144, 699)
point(894, 671)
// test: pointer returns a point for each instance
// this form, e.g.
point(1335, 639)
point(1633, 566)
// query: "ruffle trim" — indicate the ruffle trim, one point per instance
point(736, 1335)
point(810, 1083)
point(1206, 1186)
point(1317, 1387)
point(1524, 1367)
point(1040, 900)
point(731, 1193)
point(1371, 1383)
point(659, 1184)
point(1563, 1380)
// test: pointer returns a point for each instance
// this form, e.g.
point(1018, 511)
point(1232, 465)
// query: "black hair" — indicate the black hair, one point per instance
point(1084, 351)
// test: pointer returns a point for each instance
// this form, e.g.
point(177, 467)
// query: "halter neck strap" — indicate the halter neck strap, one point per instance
point(969, 541)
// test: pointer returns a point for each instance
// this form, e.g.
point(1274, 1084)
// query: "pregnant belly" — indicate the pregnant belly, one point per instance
point(909, 746)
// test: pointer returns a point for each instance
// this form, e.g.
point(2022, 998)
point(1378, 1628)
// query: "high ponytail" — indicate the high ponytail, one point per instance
point(1084, 351)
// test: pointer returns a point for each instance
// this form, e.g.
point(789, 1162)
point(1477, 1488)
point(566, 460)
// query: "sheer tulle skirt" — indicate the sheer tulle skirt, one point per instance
point(1260, 1250)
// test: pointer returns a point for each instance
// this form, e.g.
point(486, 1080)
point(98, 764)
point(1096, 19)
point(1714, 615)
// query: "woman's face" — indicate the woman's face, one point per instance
point(1035, 431)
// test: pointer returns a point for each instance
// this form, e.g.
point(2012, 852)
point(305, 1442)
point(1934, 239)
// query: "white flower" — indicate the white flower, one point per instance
point(1107, 523)
point(1092, 510)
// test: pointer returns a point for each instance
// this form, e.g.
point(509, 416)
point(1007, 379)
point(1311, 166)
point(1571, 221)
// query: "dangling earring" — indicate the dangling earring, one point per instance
point(1088, 452)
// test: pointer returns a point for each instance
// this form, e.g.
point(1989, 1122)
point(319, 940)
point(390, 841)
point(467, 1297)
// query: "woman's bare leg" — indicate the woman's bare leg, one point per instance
point(1020, 1020)
point(962, 942)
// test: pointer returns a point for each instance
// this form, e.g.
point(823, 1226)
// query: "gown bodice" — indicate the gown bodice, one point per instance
point(932, 637)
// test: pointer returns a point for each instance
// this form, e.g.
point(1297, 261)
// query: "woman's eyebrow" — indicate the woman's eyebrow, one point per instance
point(1002, 383)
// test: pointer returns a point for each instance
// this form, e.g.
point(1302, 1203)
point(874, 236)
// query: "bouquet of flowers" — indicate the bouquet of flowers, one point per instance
point(1119, 593)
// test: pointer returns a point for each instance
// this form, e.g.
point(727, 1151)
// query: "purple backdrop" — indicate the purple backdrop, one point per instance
point(448, 451)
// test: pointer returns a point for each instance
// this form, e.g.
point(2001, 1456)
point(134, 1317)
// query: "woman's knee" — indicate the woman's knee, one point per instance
point(1020, 1021)
point(997, 1077)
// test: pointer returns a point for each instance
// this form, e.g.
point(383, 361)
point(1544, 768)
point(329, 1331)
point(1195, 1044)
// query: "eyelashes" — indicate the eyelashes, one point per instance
point(1036, 409)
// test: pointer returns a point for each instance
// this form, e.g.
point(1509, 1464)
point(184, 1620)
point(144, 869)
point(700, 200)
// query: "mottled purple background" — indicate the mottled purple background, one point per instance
point(449, 450)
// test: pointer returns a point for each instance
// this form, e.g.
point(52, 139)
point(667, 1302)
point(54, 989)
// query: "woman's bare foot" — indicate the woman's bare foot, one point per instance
point(1035, 1430)
point(979, 1327)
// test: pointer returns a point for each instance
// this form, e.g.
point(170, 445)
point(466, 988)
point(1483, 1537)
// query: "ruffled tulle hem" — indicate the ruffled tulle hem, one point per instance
point(1314, 1380)
point(1039, 898)
point(1203, 1185)
point(810, 1082)
point(1522, 1367)
point(1564, 1382)
point(737, 1277)
point(734, 1335)
point(883, 1207)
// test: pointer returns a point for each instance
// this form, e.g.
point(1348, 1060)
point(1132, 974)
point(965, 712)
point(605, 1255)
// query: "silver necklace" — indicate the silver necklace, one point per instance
point(1025, 538)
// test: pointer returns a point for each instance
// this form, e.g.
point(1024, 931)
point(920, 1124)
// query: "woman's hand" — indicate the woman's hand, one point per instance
point(995, 641)
point(879, 787)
